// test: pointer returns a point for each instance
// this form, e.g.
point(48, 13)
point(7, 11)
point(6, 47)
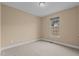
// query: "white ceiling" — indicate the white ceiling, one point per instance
point(34, 9)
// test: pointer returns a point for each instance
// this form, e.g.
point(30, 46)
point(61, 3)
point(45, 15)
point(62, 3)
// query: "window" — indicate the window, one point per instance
point(55, 25)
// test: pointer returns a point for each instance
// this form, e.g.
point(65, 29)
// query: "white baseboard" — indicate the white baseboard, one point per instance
point(61, 43)
point(27, 42)
point(18, 44)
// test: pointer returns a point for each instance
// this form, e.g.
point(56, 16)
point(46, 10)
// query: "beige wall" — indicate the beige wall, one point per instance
point(78, 21)
point(68, 26)
point(18, 26)
point(0, 25)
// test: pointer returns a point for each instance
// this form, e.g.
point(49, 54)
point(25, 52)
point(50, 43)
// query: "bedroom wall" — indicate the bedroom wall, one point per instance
point(68, 26)
point(0, 25)
point(18, 26)
point(78, 22)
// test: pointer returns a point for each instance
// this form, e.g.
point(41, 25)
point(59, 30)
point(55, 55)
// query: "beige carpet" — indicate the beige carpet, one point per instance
point(40, 48)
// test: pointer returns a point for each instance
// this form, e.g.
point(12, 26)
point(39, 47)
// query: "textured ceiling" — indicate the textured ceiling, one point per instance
point(34, 9)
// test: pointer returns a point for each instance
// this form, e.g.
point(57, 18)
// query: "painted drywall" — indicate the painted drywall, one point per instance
point(78, 22)
point(18, 26)
point(0, 25)
point(68, 26)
